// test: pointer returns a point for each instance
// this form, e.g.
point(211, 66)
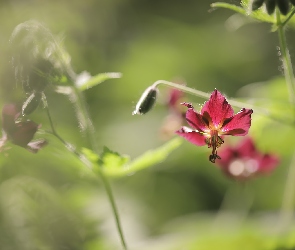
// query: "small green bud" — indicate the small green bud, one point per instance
point(31, 103)
point(146, 101)
point(257, 4)
point(284, 6)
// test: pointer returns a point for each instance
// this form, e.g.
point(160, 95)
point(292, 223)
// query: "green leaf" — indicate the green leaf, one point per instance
point(112, 160)
point(116, 165)
point(95, 80)
point(146, 160)
point(229, 6)
point(245, 10)
point(90, 155)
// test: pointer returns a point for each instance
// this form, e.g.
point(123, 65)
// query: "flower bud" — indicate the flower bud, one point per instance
point(270, 6)
point(284, 6)
point(146, 101)
point(257, 4)
point(31, 103)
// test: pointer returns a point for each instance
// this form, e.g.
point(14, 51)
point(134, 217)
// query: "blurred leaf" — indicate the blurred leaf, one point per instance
point(88, 82)
point(245, 10)
point(279, 120)
point(112, 160)
point(117, 165)
point(146, 160)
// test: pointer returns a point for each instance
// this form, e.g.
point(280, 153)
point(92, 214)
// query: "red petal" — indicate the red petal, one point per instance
point(246, 147)
point(217, 108)
point(239, 124)
point(24, 133)
point(268, 163)
point(10, 112)
point(194, 119)
point(192, 136)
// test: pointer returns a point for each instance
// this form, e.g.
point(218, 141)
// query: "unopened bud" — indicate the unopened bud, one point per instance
point(284, 6)
point(146, 101)
point(31, 103)
point(257, 4)
point(270, 6)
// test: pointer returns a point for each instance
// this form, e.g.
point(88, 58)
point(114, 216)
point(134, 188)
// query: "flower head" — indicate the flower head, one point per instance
point(215, 120)
point(283, 5)
point(244, 161)
point(19, 133)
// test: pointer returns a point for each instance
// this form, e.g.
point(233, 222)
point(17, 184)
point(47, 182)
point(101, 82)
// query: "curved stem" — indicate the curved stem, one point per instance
point(71, 148)
point(206, 96)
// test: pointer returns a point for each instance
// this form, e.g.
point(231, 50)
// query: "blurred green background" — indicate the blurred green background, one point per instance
point(49, 201)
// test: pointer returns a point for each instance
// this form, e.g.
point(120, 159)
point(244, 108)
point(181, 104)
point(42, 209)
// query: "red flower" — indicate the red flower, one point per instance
point(215, 120)
point(19, 132)
point(244, 161)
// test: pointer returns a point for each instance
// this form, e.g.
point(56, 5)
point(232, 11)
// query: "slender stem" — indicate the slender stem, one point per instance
point(286, 213)
point(82, 110)
point(288, 18)
point(72, 149)
point(286, 60)
point(206, 95)
point(237, 198)
point(114, 207)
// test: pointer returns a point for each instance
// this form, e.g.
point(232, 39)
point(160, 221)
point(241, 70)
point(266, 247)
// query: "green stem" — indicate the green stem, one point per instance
point(84, 117)
point(114, 207)
point(206, 96)
point(80, 104)
point(82, 109)
point(288, 18)
point(286, 213)
point(286, 60)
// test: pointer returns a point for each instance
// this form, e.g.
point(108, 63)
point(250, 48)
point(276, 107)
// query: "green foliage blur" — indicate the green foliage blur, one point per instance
point(51, 201)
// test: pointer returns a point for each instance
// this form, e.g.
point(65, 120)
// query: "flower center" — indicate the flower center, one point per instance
point(215, 142)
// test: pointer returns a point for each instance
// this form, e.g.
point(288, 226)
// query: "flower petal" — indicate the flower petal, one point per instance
point(34, 146)
point(217, 108)
point(239, 124)
point(24, 133)
point(194, 119)
point(268, 162)
point(192, 136)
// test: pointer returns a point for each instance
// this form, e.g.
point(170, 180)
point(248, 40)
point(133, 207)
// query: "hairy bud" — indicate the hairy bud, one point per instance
point(146, 101)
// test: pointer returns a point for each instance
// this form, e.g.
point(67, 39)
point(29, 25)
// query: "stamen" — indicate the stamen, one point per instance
point(215, 142)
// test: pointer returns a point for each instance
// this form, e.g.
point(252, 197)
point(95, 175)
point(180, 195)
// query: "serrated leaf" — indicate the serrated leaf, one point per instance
point(146, 160)
point(115, 165)
point(259, 14)
point(90, 155)
point(112, 160)
point(95, 80)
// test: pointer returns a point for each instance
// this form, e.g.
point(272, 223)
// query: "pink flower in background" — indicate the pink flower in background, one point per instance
point(173, 99)
point(244, 161)
point(176, 115)
point(19, 132)
point(215, 120)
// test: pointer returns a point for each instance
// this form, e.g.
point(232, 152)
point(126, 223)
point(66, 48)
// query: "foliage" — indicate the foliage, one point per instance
point(106, 179)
